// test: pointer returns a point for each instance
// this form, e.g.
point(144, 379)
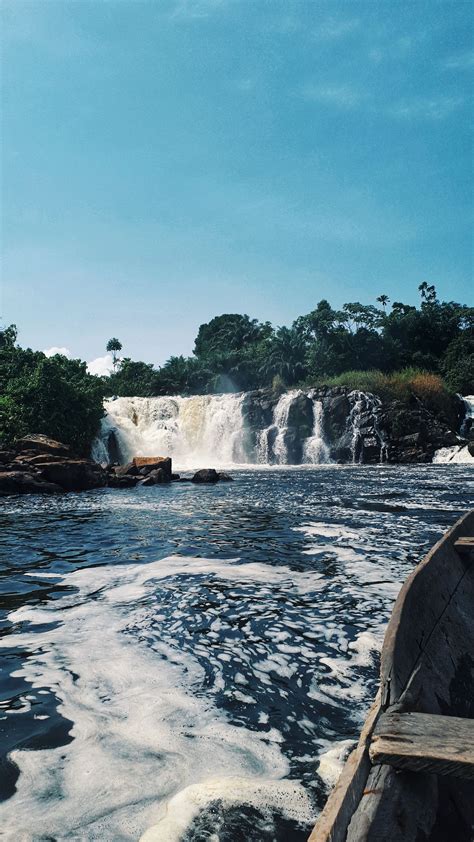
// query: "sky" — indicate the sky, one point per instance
point(165, 162)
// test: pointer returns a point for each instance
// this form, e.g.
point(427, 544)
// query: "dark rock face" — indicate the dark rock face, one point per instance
point(156, 477)
point(20, 482)
point(39, 443)
point(73, 474)
point(223, 477)
point(42, 465)
point(153, 463)
point(207, 475)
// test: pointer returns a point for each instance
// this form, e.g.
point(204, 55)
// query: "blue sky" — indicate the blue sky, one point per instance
point(167, 161)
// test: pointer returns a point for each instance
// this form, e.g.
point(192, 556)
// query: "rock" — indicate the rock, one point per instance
point(152, 463)
point(73, 474)
point(223, 477)
point(38, 443)
point(113, 447)
point(156, 477)
point(42, 458)
point(470, 448)
point(175, 477)
point(125, 481)
point(19, 482)
point(130, 469)
point(206, 475)
point(6, 456)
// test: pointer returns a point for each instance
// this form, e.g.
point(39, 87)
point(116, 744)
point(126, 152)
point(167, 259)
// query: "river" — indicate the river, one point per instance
point(193, 662)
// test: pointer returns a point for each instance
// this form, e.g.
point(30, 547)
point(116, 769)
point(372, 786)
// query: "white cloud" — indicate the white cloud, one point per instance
point(429, 108)
point(50, 352)
point(331, 29)
point(101, 366)
point(341, 96)
point(460, 62)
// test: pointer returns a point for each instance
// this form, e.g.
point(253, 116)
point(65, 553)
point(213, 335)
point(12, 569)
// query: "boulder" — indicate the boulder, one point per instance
point(156, 477)
point(206, 475)
point(125, 481)
point(19, 482)
point(73, 474)
point(470, 448)
point(130, 469)
point(39, 443)
point(6, 456)
point(223, 477)
point(152, 463)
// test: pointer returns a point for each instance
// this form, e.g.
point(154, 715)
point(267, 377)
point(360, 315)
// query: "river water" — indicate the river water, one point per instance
point(192, 663)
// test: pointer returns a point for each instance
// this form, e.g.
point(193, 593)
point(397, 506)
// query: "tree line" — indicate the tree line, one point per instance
point(232, 352)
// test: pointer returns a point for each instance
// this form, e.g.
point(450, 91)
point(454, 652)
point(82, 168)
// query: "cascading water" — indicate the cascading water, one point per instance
point(271, 446)
point(315, 449)
point(459, 453)
point(363, 425)
point(198, 431)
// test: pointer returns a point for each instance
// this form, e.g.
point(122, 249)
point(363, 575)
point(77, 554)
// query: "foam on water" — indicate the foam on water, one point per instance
point(200, 692)
point(140, 720)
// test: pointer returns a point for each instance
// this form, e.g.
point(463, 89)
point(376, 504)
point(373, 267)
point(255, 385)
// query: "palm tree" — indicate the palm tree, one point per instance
point(383, 300)
point(114, 345)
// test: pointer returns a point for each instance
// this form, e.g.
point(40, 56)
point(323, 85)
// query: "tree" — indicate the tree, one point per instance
point(114, 345)
point(383, 300)
point(229, 332)
point(132, 378)
point(51, 395)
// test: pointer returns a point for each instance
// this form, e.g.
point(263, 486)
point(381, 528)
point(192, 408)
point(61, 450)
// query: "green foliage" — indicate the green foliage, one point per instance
point(413, 348)
point(114, 345)
point(401, 385)
point(132, 378)
point(233, 352)
point(55, 396)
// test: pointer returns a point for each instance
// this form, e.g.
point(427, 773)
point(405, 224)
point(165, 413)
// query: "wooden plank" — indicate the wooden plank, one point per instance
point(464, 545)
point(424, 742)
point(421, 603)
point(332, 823)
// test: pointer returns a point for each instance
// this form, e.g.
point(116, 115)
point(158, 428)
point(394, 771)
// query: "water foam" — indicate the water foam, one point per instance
point(146, 740)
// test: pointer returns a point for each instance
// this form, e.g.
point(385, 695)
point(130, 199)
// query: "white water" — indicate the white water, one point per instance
point(363, 402)
point(315, 449)
point(199, 431)
point(458, 453)
point(278, 430)
point(160, 747)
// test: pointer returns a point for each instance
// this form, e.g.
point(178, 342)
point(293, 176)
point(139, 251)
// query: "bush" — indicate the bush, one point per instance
point(51, 395)
point(400, 385)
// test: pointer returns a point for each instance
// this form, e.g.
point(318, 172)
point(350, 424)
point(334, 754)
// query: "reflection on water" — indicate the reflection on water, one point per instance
point(177, 660)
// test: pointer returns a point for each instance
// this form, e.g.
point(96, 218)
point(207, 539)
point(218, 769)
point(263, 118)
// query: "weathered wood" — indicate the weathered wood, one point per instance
point(419, 608)
point(331, 825)
point(423, 742)
point(465, 545)
point(427, 666)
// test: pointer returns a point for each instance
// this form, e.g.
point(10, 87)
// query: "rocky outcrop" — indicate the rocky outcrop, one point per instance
point(38, 443)
point(39, 464)
point(21, 482)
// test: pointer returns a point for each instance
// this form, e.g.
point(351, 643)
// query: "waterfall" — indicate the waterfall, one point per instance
point(199, 431)
point(459, 453)
point(468, 421)
point(315, 449)
point(271, 444)
point(363, 425)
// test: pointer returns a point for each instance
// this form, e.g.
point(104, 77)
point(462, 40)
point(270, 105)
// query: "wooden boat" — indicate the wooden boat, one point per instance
point(411, 776)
